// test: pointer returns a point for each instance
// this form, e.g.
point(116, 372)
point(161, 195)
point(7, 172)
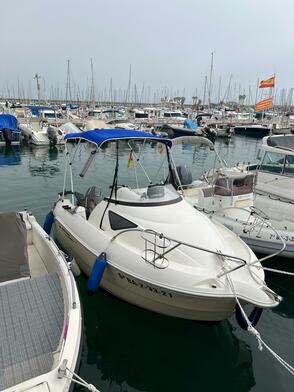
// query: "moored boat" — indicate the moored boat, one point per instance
point(40, 311)
point(9, 131)
point(148, 246)
point(227, 196)
point(252, 130)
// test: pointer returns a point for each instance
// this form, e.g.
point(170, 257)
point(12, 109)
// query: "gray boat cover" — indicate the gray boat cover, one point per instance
point(281, 141)
point(13, 247)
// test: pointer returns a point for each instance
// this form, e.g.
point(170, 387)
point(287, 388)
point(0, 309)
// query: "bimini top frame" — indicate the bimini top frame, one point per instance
point(101, 136)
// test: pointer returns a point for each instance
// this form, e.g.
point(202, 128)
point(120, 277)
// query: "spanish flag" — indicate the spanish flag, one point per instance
point(268, 82)
point(130, 160)
point(265, 104)
point(160, 148)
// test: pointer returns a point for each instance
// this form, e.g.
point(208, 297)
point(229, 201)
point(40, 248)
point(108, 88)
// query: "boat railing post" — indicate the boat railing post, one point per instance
point(65, 171)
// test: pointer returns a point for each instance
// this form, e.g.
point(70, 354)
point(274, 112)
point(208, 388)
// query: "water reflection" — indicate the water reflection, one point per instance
point(40, 159)
point(127, 348)
point(10, 155)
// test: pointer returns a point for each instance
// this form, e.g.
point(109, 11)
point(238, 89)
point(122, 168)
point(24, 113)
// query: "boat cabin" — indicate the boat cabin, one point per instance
point(277, 155)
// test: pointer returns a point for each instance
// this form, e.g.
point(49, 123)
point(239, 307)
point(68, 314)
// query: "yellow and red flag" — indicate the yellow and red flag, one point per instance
point(265, 104)
point(160, 148)
point(130, 160)
point(268, 82)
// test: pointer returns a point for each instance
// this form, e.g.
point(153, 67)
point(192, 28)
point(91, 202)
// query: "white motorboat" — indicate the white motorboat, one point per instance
point(227, 195)
point(276, 168)
point(147, 245)
point(40, 311)
point(41, 134)
point(274, 188)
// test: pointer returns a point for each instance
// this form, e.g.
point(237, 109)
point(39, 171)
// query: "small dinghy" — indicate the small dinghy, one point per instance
point(40, 312)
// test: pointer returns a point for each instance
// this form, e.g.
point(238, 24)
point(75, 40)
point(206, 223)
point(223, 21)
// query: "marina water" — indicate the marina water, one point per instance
point(126, 348)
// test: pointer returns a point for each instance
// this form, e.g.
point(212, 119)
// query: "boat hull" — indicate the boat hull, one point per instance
point(251, 131)
point(142, 293)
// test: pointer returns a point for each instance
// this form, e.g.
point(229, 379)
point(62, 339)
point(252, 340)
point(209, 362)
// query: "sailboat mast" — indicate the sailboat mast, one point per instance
point(219, 89)
point(129, 84)
point(204, 93)
point(92, 91)
point(68, 86)
point(210, 81)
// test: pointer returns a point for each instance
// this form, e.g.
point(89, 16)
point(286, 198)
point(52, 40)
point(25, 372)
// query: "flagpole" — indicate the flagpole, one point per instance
point(256, 94)
point(273, 91)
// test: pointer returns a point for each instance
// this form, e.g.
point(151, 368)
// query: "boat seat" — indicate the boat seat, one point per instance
point(13, 247)
point(31, 325)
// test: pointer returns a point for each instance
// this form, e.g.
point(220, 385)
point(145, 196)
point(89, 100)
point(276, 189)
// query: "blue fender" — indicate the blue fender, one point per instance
point(48, 222)
point(97, 273)
point(253, 317)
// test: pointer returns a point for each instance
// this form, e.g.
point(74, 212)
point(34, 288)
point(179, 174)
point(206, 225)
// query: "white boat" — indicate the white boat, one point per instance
point(40, 311)
point(160, 253)
point(227, 195)
point(274, 188)
point(41, 134)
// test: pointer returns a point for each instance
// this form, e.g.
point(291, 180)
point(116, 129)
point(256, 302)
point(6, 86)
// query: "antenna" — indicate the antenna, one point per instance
point(38, 77)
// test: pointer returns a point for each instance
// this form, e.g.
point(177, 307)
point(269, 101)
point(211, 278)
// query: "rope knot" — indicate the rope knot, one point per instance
point(92, 388)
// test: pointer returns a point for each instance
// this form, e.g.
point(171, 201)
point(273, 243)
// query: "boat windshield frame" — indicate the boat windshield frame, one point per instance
point(172, 172)
point(164, 195)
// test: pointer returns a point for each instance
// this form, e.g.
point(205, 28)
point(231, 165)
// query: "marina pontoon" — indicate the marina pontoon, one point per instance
point(40, 311)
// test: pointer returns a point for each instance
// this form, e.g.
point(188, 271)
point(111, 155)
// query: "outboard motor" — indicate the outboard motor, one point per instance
point(52, 135)
point(184, 175)
point(7, 135)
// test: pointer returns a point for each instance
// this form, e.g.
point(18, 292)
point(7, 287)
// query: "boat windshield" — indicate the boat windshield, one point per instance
point(143, 174)
point(278, 163)
point(152, 195)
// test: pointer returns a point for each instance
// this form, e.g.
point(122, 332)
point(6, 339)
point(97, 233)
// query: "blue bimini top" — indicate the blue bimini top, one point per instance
point(100, 136)
point(7, 121)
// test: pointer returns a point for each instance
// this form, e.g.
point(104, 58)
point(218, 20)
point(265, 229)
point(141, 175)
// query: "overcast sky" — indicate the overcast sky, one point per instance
point(168, 43)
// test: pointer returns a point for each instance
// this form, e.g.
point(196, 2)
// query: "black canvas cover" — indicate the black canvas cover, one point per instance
point(13, 247)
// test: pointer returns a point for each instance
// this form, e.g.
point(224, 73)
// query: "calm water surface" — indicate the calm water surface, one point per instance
point(129, 349)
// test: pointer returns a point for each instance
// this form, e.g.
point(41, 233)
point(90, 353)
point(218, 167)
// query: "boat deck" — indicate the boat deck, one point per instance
point(31, 324)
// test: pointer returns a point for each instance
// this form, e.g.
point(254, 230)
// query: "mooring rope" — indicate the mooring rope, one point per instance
point(272, 270)
point(78, 380)
point(253, 331)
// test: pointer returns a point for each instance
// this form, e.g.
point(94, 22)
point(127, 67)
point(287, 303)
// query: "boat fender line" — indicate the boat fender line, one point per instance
point(253, 317)
point(48, 222)
point(97, 273)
